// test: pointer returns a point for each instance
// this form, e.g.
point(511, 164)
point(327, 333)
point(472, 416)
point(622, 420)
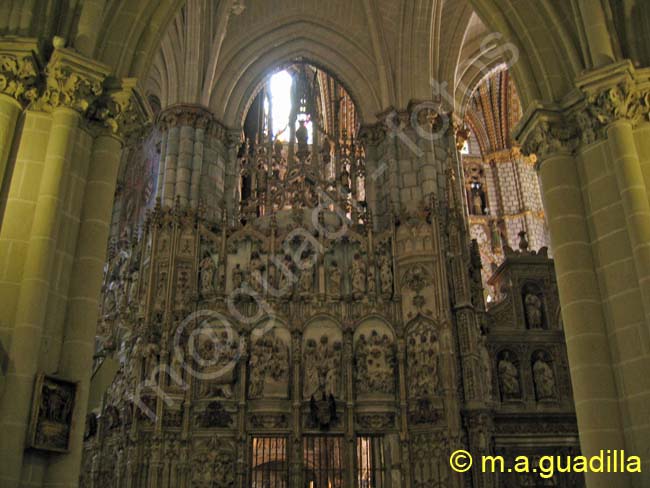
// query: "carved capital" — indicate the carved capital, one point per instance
point(372, 135)
point(185, 115)
point(72, 81)
point(121, 108)
point(623, 101)
point(548, 137)
point(20, 76)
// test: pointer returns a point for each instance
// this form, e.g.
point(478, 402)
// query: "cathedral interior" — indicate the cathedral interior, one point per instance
point(303, 244)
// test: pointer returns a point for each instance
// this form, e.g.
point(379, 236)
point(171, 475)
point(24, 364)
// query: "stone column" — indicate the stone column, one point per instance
point(188, 158)
point(18, 76)
point(634, 196)
point(33, 295)
point(586, 330)
point(85, 283)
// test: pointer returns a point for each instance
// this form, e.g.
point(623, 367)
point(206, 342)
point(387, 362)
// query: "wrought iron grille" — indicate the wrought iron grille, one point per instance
point(269, 468)
point(323, 461)
point(370, 462)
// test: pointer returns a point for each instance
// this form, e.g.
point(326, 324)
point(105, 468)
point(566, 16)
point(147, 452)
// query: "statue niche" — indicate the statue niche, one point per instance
point(269, 366)
point(375, 363)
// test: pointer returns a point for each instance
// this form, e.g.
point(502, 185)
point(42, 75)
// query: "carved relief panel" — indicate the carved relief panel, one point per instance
point(269, 363)
point(375, 361)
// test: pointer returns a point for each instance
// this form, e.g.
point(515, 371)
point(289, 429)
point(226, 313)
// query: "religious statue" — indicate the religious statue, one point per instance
point(533, 311)
point(160, 291)
point(219, 355)
point(386, 275)
point(326, 151)
point(301, 136)
point(286, 277)
point(150, 356)
point(306, 279)
point(176, 368)
point(322, 368)
point(334, 280)
point(207, 272)
point(486, 364)
point(261, 177)
point(544, 378)
point(237, 277)
point(137, 359)
point(133, 288)
point(257, 269)
point(508, 377)
point(477, 203)
point(423, 352)
point(372, 279)
point(110, 306)
point(358, 276)
point(344, 179)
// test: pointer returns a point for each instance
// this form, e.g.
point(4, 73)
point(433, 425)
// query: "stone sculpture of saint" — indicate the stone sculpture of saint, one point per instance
point(237, 277)
point(207, 272)
point(508, 377)
point(334, 280)
point(385, 275)
point(544, 379)
point(358, 276)
point(486, 364)
point(257, 268)
point(533, 311)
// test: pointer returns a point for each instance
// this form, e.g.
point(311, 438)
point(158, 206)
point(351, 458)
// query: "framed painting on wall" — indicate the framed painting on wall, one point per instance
point(52, 406)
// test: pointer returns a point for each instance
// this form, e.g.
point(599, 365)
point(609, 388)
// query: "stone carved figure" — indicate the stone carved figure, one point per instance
point(334, 280)
point(269, 367)
point(237, 277)
point(161, 290)
point(372, 279)
point(219, 354)
point(150, 356)
point(375, 364)
point(359, 272)
point(508, 377)
point(286, 277)
point(322, 361)
point(306, 279)
point(133, 288)
point(176, 366)
point(423, 351)
point(257, 270)
point(544, 378)
point(207, 272)
point(477, 203)
point(486, 364)
point(136, 360)
point(533, 311)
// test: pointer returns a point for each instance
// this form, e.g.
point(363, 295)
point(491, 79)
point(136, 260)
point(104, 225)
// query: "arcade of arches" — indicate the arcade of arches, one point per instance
point(295, 243)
